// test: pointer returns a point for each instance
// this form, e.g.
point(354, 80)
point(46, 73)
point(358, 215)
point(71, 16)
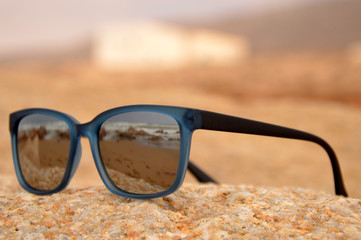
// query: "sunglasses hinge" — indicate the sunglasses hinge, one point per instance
point(193, 119)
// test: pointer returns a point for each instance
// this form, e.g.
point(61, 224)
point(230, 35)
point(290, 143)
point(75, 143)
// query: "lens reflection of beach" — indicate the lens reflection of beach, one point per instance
point(43, 160)
point(139, 168)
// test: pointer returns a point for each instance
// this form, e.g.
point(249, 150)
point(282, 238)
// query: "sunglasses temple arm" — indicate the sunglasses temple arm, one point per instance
point(199, 174)
point(220, 122)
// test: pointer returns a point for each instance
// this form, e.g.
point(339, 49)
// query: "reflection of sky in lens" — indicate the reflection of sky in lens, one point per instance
point(144, 117)
point(52, 124)
point(40, 119)
point(130, 117)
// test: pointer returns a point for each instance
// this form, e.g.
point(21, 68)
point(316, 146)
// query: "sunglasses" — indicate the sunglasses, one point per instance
point(140, 151)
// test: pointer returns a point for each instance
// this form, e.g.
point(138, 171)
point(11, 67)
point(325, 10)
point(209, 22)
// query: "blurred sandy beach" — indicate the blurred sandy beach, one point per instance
point(318, 93)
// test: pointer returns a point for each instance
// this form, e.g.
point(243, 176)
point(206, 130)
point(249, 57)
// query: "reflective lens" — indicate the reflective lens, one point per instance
point(43, 149)
point(140, 151)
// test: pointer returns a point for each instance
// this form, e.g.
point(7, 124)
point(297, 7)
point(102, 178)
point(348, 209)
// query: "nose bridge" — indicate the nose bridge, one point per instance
point(85, 130)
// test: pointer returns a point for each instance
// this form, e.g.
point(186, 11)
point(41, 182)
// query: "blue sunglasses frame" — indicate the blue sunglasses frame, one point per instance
point(188, 119)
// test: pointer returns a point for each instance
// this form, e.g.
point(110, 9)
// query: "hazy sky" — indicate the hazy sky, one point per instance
point(42, 23)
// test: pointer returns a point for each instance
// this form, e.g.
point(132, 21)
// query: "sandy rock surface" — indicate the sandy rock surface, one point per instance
point(194, 211)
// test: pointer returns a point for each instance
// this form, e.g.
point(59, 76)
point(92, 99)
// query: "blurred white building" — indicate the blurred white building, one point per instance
point(154, 45)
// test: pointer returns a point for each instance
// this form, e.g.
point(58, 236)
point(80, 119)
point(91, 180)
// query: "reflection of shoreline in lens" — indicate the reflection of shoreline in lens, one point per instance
point(42, 161)
point(154, 165)
point(159, 139)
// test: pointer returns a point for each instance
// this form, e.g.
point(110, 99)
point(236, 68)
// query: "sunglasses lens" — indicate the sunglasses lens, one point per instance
point(140, 151)
point(43, 149)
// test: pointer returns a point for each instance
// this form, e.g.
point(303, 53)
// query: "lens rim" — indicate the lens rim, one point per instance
point(71, 155)
point(185, 117)
point(119, 187)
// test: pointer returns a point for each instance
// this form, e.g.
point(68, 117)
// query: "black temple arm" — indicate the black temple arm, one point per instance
point(199, 174)
point(220, 122)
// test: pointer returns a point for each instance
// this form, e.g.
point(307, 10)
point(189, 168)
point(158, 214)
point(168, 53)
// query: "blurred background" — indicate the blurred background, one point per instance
point(293, 63)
